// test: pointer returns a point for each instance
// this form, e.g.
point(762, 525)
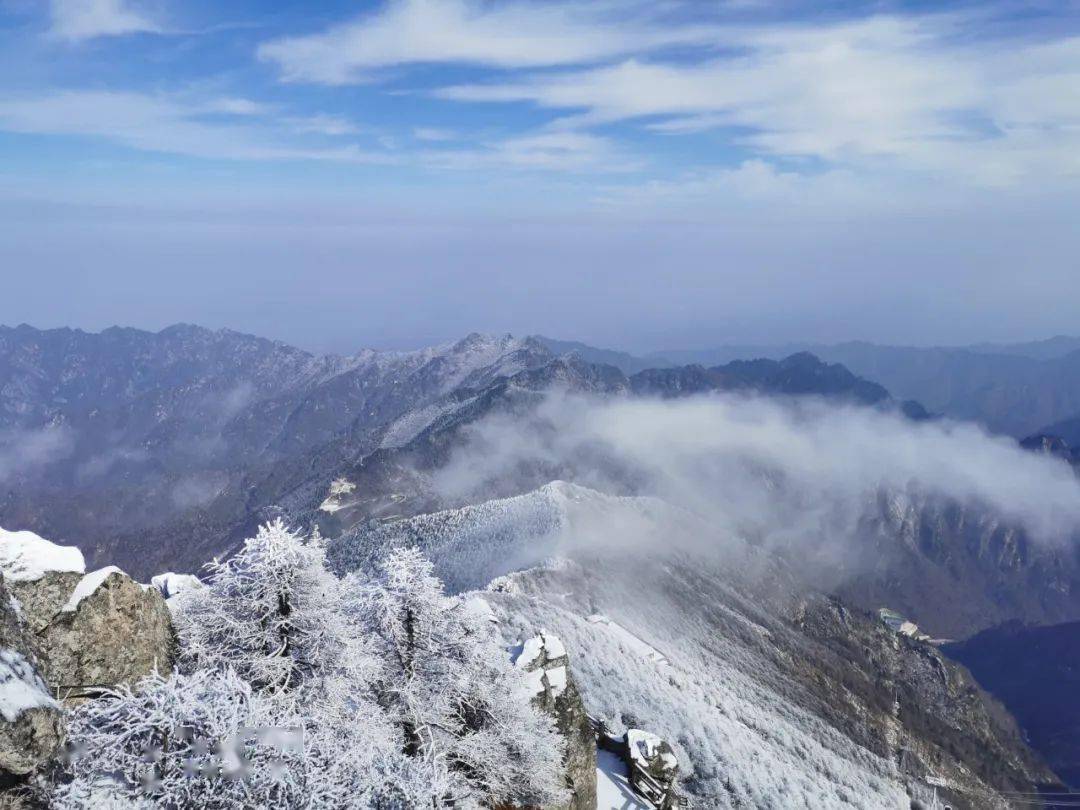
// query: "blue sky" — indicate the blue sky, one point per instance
point(648, 174)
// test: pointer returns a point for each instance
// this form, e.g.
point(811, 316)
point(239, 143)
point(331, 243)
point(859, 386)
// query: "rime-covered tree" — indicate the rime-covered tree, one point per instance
point(275, 615)
point(178, 742)
point(461, 709)
point(206, 740)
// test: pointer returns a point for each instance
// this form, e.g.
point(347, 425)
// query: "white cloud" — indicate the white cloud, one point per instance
point(166, 124)
point(795, 474)
point(332, 125)
point(79, 20)
point(889, 91)
point(505, 35)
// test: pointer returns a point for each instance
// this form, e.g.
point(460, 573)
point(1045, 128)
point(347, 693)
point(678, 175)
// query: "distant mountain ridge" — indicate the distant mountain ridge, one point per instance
point(125, 439)
point(1017, 389)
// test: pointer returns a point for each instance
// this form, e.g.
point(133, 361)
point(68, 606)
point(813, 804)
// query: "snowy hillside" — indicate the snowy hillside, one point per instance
point(709, 652)
point(475, 544)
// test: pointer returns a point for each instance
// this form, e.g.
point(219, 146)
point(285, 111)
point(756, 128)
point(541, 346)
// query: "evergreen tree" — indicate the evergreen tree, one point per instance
point(448, 686)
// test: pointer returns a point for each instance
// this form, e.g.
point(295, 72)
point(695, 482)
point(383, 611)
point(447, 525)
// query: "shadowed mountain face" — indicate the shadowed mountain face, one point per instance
point(1035, 672)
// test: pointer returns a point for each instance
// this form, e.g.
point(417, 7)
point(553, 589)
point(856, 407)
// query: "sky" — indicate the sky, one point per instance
point(643, 174)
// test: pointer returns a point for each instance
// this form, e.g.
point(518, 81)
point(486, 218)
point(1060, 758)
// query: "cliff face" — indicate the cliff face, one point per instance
point(918, 709)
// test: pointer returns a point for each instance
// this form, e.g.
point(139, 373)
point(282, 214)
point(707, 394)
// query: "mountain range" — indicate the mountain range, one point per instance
point(1018, 389)
point(158, 451)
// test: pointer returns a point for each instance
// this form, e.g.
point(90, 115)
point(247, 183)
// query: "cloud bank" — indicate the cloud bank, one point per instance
point(791, 475)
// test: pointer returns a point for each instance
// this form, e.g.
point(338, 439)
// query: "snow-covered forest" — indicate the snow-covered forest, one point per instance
point(297, 688)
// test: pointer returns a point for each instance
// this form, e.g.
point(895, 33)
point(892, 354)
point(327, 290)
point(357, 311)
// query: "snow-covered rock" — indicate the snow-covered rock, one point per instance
point(31, 723)
point(654, 756)
point(545, 663)
point(87, 586)
point(25, 557)
point(170, 584)
point(110, 631)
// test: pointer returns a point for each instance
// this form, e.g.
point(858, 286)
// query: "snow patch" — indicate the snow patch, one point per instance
point(480, 608)
point(25, 557)
point(645, 748)
point(171, 584)
point(613, 791)
point(21, 688)
point(87, 586)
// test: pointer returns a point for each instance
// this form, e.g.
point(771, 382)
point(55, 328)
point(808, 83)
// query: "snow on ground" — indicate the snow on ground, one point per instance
point(24, 556)
point(722, 701)
point(473, 545)
point(632, 642)
point(412, 424)
point(171, 584)
point(21, 688)
point(86, 587)
point(645, 747)
point(613, 791)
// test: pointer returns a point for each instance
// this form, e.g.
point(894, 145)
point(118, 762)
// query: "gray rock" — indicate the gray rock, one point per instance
point(41, 599)
point(31, 723)
point(547, 663)
point(117, 634)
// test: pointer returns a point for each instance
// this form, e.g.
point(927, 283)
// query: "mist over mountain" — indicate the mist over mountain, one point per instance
point(768, 508)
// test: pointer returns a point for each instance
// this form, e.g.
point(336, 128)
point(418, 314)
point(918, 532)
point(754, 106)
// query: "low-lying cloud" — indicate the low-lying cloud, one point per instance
point(779, 473)
point(26, 451)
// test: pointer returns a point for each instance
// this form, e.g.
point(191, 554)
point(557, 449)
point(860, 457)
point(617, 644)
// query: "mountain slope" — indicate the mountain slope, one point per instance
point(771, 695)
point(109, 436)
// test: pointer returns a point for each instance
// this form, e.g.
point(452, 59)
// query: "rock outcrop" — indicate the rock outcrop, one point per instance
point(88, 631)
point(41, 599)
point(110, 631)
point(31, 722)
point(547, 665)
point(919, 709)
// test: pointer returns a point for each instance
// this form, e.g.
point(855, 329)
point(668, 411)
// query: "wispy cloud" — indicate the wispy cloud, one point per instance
point(886, 88)
point(168, 124)
point(505, 35)
point(80, 20)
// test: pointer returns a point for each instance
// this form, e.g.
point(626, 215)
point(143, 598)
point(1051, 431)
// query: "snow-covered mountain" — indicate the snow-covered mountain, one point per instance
point(110, 436)
point(750, 673)
point(158, 451)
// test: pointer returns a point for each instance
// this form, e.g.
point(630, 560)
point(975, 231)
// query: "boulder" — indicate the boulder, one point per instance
point(31, 722)
point(547, 666)
point(40, 574)
point(109, 631)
